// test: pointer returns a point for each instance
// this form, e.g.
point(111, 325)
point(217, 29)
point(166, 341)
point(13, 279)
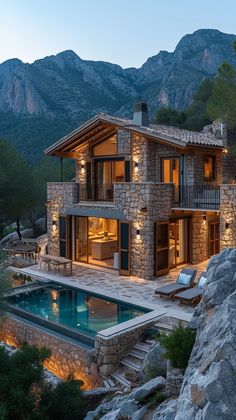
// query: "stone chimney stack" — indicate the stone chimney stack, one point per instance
point(141, 114)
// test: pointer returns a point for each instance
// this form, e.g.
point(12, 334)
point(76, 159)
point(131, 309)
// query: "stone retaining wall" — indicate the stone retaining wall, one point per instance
point(111, 350)
point(66, 357)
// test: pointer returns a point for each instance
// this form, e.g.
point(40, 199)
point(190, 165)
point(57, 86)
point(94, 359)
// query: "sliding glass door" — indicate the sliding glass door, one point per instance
point(107, 172)
point(81, 239)
point(178, 242)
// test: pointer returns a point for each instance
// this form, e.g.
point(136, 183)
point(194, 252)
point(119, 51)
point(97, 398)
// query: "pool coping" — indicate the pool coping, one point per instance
point(91, 289)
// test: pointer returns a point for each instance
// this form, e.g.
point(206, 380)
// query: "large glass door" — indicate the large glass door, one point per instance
point(162, 248)
point(124, 248)
point(81, 239)
point(178, 242)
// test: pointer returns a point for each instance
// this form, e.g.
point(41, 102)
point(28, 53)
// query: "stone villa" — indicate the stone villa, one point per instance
point(146, 198)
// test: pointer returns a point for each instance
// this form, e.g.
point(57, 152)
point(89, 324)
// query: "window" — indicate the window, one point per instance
point(209, 167)
point(106, 147)
point(170, 170)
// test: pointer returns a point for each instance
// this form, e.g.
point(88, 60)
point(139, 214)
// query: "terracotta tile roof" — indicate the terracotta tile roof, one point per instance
point(168, 134)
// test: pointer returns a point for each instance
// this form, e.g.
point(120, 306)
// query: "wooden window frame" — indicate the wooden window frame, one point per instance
point(124, 272)
point(171, 158)
point(213, 157)
point(166, 270)
point(213, 221)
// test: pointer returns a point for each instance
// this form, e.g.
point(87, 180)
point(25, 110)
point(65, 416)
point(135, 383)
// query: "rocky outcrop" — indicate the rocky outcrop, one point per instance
point(209, 386)
point(130, 406)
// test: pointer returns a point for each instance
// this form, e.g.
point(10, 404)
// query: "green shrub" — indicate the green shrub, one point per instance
point(178, 345)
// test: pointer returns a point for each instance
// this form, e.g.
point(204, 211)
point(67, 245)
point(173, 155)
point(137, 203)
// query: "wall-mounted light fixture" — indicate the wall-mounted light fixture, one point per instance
point(135, 166)
point(225, 150)
point(138, 233)
point(54, 224)
point(226, 225)
point(82, 165)
point(204, 218)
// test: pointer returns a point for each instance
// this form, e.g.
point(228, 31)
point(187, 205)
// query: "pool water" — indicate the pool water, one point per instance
point(84, 312)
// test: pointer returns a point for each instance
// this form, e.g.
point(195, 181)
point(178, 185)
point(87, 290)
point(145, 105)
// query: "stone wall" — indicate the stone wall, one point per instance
point(228, 215)
point(60, 196)
point(66, 358)
point(123, 142)
point(111, 350)
point(199, 238)
point(83, 156)
point(142, 204)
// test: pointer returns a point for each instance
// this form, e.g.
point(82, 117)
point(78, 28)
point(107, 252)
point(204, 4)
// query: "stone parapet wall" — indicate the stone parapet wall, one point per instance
point(228, 215)
point(143, 204)
point(60, 196)
point(66, 358)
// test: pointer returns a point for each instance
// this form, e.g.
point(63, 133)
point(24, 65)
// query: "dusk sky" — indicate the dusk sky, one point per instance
point(125, 32)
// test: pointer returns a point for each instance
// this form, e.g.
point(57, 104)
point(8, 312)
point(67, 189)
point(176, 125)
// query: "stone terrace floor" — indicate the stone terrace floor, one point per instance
point(131, 289)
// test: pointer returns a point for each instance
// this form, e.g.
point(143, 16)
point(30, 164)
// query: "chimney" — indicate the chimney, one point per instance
point(140, 114)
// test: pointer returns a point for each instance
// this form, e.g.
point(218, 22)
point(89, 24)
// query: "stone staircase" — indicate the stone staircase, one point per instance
point(128, 371)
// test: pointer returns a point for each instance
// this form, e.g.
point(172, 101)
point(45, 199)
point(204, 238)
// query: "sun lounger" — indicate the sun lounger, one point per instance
point(184, 281)
point(194, 294)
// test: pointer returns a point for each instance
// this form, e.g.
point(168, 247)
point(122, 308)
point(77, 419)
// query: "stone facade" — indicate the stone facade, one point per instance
point(60, 197)
point(66, 358)
point(145, 200)
point(228, 215)
point(143, 204)
point(199, 238)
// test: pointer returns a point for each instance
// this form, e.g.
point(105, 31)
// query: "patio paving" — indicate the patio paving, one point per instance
point(131, 289)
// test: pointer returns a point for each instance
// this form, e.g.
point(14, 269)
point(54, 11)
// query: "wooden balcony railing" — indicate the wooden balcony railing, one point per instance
point(197, 197)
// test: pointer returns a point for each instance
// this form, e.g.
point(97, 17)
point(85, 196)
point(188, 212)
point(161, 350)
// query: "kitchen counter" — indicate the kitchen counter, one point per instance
point(103, 248)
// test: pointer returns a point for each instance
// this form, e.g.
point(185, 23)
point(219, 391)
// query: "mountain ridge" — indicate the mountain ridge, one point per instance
point(65, 90)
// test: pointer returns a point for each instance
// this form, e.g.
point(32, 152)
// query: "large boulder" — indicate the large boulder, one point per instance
point(209, 387)
point(155, 384)
point(154, 363)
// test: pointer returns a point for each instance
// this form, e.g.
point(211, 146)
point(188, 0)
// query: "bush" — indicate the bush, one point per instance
point(178, 345)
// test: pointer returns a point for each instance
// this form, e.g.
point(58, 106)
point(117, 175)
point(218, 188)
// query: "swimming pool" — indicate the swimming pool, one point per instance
point(71, 311)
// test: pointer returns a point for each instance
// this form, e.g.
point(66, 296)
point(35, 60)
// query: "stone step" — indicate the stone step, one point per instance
point(137, 354)
point(130, 364)
point(150, 342)
point(121, 379)
point(144, 347)
point(166, 328)
point(108, 382)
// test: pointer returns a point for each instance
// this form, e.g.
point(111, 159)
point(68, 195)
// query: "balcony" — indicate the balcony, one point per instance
point(95, 192)
point(197, 197)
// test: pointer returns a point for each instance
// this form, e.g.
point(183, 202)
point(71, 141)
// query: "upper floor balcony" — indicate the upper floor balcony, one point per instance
point(96, 192)
point(197, 197)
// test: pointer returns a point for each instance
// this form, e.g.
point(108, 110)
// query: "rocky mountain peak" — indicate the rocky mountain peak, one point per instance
point(66, 87)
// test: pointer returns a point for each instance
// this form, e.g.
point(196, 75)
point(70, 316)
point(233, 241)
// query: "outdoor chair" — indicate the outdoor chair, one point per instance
point(193, 295)
point(184, 281)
